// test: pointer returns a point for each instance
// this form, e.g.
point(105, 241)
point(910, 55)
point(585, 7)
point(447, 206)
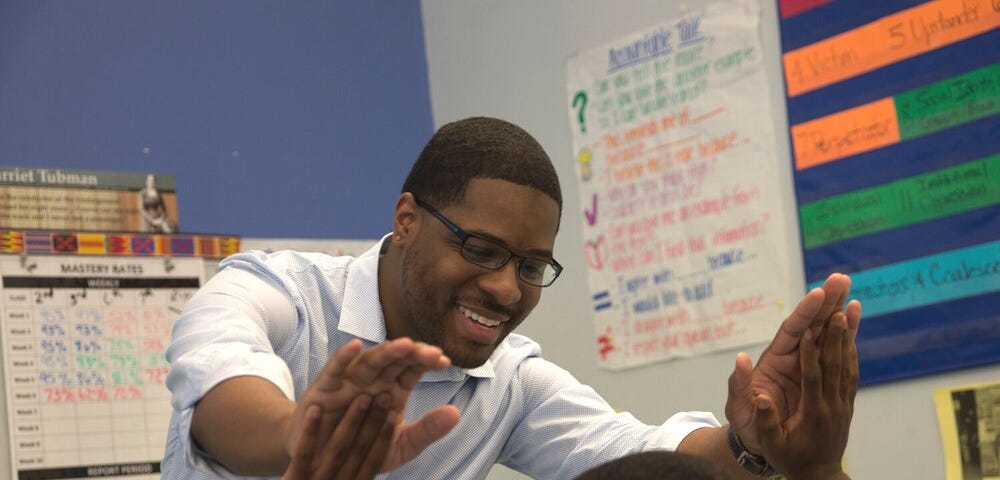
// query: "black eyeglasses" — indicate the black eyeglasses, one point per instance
point(489, 254)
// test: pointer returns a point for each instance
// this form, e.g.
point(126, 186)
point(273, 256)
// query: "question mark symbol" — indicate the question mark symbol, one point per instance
point(581, 99)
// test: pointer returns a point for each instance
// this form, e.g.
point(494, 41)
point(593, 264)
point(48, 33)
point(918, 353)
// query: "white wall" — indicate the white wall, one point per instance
point(506, 58)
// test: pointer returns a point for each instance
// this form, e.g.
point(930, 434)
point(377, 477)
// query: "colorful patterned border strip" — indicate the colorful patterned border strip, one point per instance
point(87, 243)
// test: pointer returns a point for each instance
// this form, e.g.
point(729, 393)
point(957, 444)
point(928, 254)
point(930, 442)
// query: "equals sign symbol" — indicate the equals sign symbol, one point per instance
point(602, 300)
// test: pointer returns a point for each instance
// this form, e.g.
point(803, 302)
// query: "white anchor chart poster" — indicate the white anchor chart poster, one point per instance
point(84, 368)
point(683, 227)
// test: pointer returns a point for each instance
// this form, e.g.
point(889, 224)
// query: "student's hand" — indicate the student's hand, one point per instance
point(777, 378)
point(393, 368)
point(355, 451)
point(810, 444)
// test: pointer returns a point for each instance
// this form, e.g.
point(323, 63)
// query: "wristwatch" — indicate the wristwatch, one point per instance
point(755, 464)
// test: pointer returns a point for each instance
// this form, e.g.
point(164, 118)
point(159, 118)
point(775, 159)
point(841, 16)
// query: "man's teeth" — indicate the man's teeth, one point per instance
point(478, 318)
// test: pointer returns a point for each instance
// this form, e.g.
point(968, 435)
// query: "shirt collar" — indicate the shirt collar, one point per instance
point(361, 313)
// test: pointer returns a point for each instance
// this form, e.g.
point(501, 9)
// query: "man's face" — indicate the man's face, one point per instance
point(465, 309)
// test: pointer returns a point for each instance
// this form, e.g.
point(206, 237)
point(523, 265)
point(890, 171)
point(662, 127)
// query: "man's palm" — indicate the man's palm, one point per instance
point(778, 375)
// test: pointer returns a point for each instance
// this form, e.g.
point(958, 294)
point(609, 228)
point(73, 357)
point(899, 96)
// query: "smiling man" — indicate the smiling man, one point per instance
point(436, 302)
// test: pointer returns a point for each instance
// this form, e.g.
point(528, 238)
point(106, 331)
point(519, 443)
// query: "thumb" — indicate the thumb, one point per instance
point(417, 436)
point(742, 373)
point(739, 406)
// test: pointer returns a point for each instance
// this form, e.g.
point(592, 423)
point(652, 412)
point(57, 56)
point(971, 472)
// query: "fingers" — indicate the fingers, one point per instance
point(410, 377)
point(850, 374)
point(395, 367)
point(380, 448)
point(836, 286)
point(342, 437)
point(365, 436)
point(805, 313)
point(431, 357)
point(330, 378)
point(407, 373)
point(414, 438)
point(299, 468)
point(390, 374)
point(338, 445)
point(833, 354)
point(370, 364)
point(401, 361)
point(853, 318)
point(328, 387)
point(812, 313)
point(389, 356)
point(812, 386)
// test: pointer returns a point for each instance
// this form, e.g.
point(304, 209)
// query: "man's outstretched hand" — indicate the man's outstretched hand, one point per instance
point(355, 451)
point(810, 443)
point(777, 380)
point(387, 373)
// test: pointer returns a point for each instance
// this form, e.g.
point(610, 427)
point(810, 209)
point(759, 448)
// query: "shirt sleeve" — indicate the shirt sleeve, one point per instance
point(568, 428)
point(226, 330)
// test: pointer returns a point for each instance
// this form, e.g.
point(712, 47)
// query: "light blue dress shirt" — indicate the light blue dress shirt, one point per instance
point(279, 316)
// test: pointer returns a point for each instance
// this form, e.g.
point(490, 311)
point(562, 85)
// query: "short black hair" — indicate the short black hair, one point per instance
point(479, 147)
point(657, 464)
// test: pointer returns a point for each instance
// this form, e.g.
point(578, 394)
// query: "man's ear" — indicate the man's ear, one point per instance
point(405, 221)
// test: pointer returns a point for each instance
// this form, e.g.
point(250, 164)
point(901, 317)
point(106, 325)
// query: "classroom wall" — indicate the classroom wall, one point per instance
point(507, 59)
point(326, 105)
point(278, 119)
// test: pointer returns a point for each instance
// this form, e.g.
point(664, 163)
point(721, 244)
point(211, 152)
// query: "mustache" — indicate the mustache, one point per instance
point(487, 303)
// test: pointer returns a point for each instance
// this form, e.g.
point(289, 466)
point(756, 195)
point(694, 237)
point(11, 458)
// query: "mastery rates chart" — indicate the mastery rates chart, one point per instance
point(84, 367)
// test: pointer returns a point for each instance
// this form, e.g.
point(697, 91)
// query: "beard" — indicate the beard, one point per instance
point(432, 321)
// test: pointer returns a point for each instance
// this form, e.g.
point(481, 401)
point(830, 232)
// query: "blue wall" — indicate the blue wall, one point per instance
point(278, 119)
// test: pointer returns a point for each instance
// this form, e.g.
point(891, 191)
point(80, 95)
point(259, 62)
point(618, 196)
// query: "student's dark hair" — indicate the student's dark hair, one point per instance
point(659, 465)
point(479, 147)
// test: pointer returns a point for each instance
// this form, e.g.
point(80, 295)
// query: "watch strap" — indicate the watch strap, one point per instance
point(755, 464)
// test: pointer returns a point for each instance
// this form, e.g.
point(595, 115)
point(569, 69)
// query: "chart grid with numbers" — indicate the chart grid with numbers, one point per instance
point(84, 366)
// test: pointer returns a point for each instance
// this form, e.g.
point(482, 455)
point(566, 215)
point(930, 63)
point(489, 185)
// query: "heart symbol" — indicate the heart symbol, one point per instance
point(596, 253)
